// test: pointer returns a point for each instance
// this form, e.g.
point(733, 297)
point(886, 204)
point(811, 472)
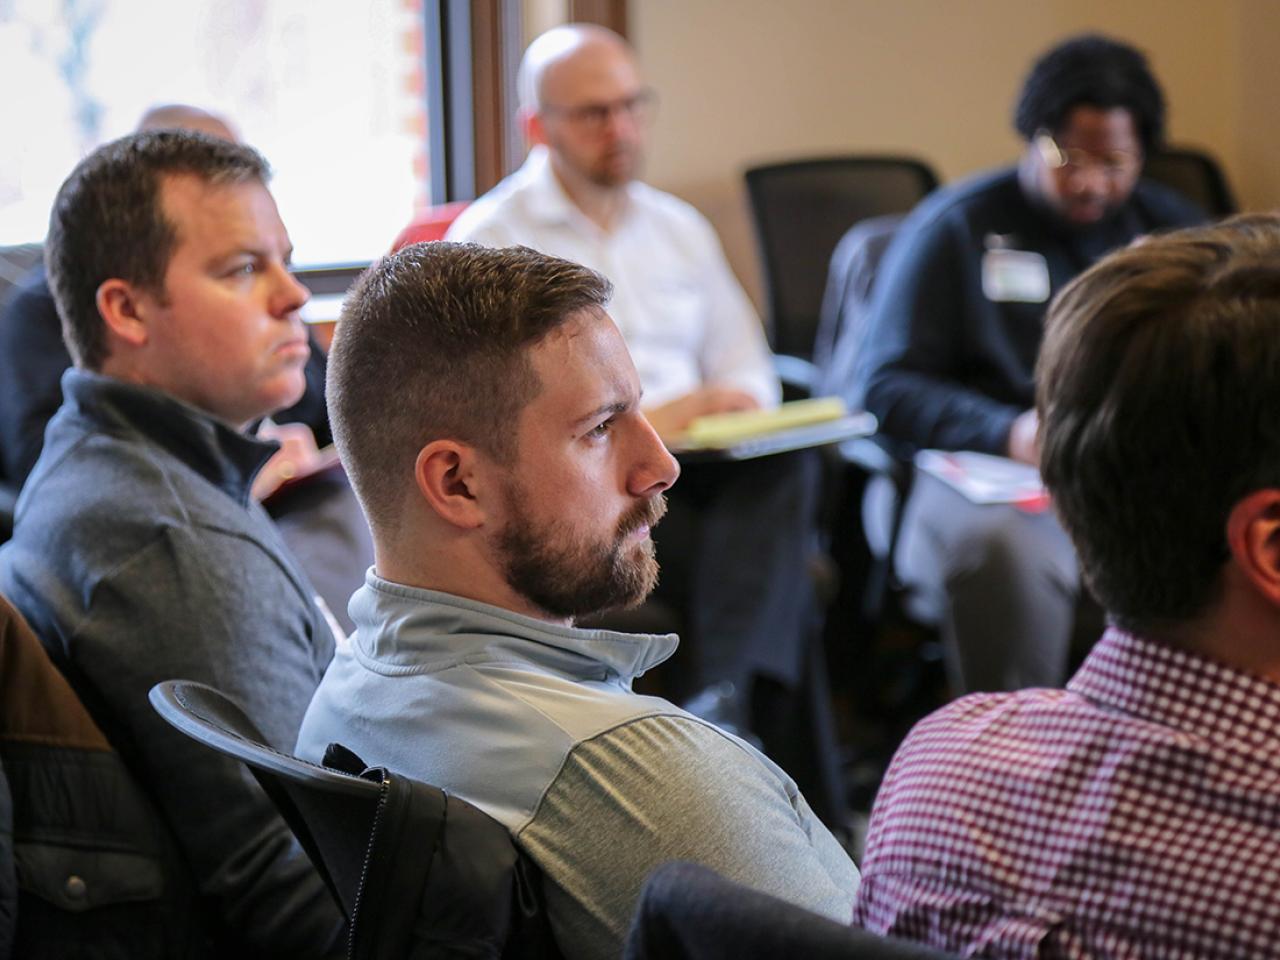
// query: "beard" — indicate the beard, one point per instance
point(569, 575)
point(615, 169)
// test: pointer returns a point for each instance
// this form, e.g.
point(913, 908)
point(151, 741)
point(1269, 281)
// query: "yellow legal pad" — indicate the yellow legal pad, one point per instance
point(726, 429)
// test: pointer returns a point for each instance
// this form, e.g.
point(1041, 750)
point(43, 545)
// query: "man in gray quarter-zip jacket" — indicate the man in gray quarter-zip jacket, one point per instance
point(490, 419)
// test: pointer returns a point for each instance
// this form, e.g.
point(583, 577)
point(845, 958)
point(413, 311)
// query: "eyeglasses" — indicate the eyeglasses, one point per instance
point(595, 117)
point(1115, 165)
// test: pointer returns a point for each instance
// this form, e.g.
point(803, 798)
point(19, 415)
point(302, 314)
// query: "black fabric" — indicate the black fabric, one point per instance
point(445, 880)
point(8, 879)
point(687, 912)
point(33, 358)
point(947, 367)
point(98, 875)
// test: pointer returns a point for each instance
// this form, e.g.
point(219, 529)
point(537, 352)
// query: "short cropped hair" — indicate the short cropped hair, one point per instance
point(1159, 399)
point(433, 343)
point(108, 222)
point(1092, 71)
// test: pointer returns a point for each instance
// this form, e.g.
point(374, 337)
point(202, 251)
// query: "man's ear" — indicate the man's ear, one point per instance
point(1253, 537)
point(531, 126)
point(449, 475)
point(121, 309)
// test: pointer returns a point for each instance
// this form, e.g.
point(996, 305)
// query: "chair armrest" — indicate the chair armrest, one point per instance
point(799, 376)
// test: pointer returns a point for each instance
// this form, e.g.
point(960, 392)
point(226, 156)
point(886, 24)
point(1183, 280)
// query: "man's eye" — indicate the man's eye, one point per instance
point(243, 269)
point(600, 430)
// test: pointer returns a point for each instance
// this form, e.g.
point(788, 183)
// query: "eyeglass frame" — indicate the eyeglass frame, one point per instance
point(594, 117)
point(1056, 158)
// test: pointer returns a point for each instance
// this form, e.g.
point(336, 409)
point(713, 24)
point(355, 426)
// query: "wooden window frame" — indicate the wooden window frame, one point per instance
point(473, 48)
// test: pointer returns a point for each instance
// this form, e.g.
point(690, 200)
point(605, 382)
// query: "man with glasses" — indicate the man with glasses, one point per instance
point(736, 545)
point(954, 330)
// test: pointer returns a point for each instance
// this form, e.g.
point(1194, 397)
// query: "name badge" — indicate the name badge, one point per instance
point(1015, 276)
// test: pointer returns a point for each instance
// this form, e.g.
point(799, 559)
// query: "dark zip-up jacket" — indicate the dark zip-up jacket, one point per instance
point(949, 367)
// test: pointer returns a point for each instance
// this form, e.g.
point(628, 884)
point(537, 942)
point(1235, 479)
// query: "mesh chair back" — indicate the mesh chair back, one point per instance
point(1195, 175)
point(801, 211)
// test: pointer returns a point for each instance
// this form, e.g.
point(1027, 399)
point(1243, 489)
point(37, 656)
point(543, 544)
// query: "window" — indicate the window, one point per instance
point(333, 92)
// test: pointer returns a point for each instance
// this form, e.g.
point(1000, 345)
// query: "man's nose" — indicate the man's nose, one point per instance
point(656, 469)
point(1091, 178)
point(621, 123)
point(289, 293)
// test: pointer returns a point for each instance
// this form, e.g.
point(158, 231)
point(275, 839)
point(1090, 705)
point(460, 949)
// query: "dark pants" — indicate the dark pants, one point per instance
point(735, 551)
point(1003, 582)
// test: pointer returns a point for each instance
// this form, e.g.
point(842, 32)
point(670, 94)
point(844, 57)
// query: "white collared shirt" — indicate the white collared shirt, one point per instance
point(684, 316)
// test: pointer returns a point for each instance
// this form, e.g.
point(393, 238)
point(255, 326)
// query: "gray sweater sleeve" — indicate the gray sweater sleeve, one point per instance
point(674, 788)
point(203, 605)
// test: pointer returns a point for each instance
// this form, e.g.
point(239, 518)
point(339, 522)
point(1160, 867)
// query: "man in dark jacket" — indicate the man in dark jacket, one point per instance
point(322, 523)
point(138, 553)
point(33, 356)
point(954, 332)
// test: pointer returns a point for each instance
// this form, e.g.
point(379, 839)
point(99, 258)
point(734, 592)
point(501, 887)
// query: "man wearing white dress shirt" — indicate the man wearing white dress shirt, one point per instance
point(734, 550)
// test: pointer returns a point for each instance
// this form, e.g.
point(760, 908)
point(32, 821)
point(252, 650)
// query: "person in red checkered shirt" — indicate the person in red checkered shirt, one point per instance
point(1137, 812)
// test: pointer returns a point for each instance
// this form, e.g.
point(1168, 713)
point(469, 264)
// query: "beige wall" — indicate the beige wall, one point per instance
point(752, 81)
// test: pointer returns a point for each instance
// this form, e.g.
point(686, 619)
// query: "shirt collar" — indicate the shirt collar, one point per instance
point(1181, 690)
point(548, 202)
point(408, 628)
point(219, 453)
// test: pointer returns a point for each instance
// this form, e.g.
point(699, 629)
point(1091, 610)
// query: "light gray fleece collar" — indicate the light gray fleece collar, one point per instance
point(401, 629)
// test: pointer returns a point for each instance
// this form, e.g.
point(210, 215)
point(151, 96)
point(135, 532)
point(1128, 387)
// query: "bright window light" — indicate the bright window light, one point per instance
point(331, 91)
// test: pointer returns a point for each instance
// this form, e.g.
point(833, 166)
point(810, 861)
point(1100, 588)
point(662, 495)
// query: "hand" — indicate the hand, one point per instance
point(1024, 444)
point(672, 418)
point(298, 454)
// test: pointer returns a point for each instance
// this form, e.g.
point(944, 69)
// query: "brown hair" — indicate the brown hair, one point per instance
point(433, 342)
point(1159, 400)
point(108, 222)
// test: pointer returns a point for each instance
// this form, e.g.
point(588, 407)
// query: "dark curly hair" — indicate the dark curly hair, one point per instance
point(1092, 71)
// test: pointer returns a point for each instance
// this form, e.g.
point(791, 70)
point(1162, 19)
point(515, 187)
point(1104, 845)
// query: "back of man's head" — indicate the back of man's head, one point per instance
point(434, 343)
point(1091, 71)
point(1159, 399)
point(183, 116)
point(108, 222)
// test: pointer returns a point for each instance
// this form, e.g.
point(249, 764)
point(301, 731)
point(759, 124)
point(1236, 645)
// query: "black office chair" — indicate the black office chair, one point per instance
point(892, 675)
point(801, 209)
point(414, 869)
point(8, 506)
point(1194, 174)
point(688, 912)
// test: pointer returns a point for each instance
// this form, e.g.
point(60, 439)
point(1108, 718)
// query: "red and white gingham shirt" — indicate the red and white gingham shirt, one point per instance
point(1134, 814)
